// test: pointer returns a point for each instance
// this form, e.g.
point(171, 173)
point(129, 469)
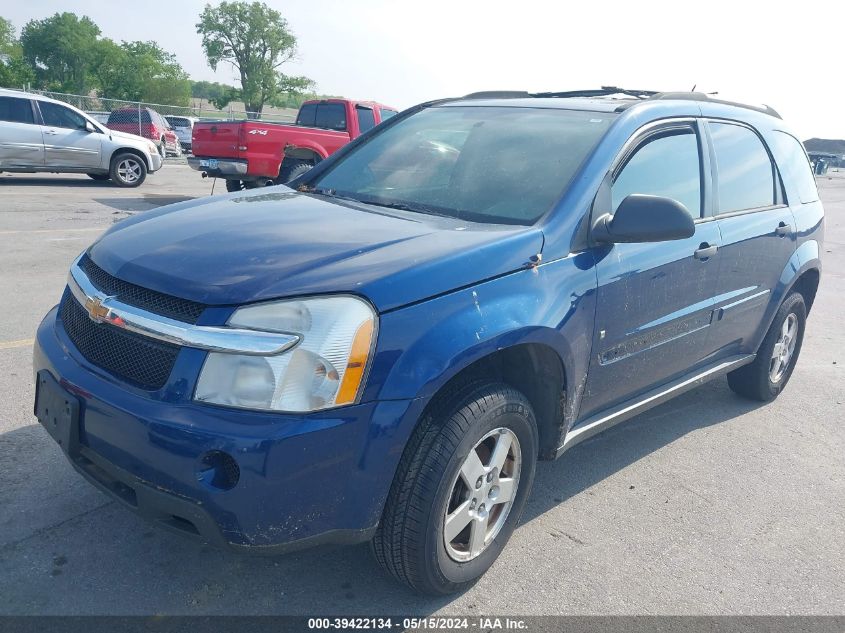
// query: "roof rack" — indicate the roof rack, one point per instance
point(607, 91)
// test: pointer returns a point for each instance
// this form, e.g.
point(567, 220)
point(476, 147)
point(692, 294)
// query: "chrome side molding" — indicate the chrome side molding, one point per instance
point(606, 419)
point(103, 308)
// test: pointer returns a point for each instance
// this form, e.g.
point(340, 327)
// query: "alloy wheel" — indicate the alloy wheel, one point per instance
point(784, 348)
point(482, 495)
point(129, 170)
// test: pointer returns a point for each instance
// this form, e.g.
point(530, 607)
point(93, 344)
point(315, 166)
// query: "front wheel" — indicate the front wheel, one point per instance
point(766, 377)
point(127, 170)
point(459, 490)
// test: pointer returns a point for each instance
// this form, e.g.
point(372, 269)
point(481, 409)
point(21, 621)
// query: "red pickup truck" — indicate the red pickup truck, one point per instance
point(256, 153)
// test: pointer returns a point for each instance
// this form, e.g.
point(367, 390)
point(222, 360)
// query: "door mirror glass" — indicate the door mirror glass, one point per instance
point(644, 218)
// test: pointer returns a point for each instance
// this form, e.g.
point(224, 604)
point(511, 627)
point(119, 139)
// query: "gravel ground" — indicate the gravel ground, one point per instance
point(709, 504)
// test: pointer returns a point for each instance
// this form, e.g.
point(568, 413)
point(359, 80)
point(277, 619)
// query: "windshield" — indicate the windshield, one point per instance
point(502, 165)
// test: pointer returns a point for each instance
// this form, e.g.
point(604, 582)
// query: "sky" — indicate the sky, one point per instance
point(401, 52)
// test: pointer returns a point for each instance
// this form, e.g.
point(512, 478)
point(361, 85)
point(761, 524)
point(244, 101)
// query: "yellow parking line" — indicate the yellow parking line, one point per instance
point(98, 228)
point(26, 342)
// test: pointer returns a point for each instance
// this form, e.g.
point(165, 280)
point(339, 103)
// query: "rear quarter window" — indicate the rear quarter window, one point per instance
point(794, 166)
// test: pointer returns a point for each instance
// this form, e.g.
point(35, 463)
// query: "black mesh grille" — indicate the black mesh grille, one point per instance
point(157, 302)
point(131, 357)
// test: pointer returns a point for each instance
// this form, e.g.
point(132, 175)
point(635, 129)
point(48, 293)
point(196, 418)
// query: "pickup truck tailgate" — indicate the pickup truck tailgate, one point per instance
point(217, 139)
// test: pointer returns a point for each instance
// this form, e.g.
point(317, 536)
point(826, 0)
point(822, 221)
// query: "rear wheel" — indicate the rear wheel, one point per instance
point(293, 170)
point(234, 185)
point(162, 148)
point(98, 176)
point(127, 170)
point(459, 490)
point(766, 377)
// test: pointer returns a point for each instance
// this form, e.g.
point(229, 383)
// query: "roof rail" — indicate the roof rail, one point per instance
point(700, 96)
point(604, 91)
point(498, 94)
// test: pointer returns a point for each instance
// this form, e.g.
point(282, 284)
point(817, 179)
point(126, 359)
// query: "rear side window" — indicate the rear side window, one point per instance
point(746, 175)
point(667, 165)
point(366, 118)
point(59, 116)
point(330, 116)
point(386, 114)
point(794, 165)
point(16, 110)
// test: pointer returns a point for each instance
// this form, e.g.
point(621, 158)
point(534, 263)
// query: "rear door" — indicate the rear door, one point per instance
point(758, 233)
point(67, 144)
point(21, 144)
point(654, 300)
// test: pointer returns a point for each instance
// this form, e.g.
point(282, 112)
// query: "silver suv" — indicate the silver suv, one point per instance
point(38, 134)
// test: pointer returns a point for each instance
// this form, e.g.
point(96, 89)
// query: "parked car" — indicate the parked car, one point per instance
point(38, 134)
point(151, 126)
point(99, 116)
point(384, 351)
point(184, 127)
point(257, 153)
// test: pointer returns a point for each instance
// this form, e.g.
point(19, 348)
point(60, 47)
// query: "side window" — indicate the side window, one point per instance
point(665, 165)
point(16, 110)
point(386, 114)
point(794, 165)
point(745, 172)
point(307, 115)
point(59, 116)
point(331, 116)
point(366, 118)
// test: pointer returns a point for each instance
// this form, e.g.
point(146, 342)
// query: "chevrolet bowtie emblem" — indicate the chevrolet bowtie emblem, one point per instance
point(96, 310)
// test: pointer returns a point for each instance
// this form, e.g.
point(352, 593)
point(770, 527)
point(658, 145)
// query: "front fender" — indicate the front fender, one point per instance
point(421, 347)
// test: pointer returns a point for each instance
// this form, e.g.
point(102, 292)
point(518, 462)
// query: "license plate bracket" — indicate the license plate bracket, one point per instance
point(58, 411)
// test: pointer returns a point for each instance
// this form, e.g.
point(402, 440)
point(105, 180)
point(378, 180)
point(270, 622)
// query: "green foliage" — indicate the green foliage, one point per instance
point(60, 49)
point(255, 40)
point(14, 71)
point(140, 71)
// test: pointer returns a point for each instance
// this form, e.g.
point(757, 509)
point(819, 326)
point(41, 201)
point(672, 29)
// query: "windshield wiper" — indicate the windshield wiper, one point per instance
point(414, 208)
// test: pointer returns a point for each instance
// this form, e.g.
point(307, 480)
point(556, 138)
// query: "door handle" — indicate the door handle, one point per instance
point(705, 251)
point(50, 132)
point(783, 229)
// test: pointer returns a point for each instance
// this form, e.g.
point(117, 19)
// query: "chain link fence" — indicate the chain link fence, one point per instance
point(168, 126)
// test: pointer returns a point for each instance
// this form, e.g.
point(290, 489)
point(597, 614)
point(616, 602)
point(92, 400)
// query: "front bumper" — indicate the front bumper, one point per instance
point(156, 161)
point(226, 168)
point(304, 480)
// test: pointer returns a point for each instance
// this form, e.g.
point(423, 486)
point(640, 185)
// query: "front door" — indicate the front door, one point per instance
point(20, 138)
point(655, 300)
point(67, 143)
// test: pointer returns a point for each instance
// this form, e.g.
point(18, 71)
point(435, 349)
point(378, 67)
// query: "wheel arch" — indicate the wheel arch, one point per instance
point(131, 150)
point(306, 153)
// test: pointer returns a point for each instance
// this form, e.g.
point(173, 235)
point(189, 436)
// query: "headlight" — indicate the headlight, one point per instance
point(326, 369)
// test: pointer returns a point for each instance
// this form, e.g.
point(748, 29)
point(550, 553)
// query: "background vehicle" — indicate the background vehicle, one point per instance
point(151, 126)
point(257, 153)
point(99, 116)
point(385, 352)
point(38, 134)
point(184, 128)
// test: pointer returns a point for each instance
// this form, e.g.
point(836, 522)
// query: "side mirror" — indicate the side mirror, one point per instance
point(642, 218)
point(89, 127)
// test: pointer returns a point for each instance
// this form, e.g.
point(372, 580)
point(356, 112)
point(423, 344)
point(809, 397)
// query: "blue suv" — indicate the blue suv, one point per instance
point(383, 351)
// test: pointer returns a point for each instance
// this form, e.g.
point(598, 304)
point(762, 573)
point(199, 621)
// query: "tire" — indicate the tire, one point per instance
point(162, 148)
point(411, 540)
point(766, 377)
point(234, 185)
point(295, 170)
point(99, 176)
point(127, 170)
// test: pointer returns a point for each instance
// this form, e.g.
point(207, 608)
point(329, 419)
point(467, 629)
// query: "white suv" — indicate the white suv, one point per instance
point(38, 134)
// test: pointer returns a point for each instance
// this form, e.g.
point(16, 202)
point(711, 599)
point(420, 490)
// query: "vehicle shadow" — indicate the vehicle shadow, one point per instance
point(9, 180)
point(96, 557)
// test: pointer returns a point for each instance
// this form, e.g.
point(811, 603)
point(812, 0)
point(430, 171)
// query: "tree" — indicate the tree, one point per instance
point(140, 71)
point(256, 40)
point(14, 71)
point(61, 50)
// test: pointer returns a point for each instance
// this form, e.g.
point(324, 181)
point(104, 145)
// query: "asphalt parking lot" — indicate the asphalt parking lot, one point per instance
point(709, 504)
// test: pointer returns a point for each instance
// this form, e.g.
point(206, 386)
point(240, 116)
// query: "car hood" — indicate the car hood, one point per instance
point(278, 243)
point(128, 137)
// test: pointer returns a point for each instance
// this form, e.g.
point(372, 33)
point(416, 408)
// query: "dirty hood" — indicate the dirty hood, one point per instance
point(240, 248)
